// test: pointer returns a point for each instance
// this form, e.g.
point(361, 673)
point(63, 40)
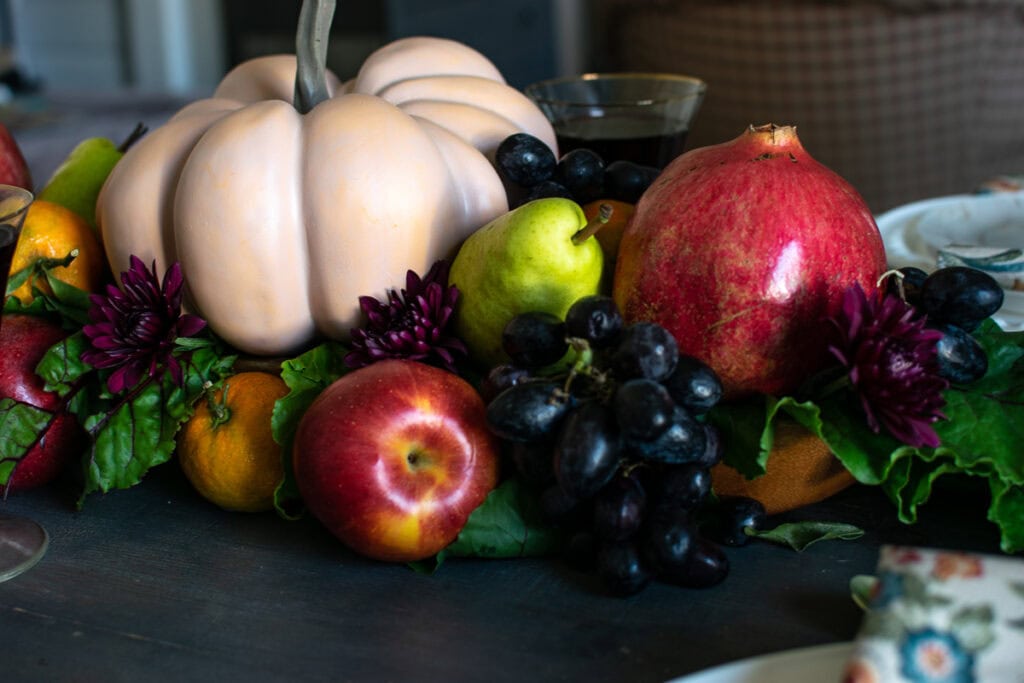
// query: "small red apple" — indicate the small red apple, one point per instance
point(13, 168)
point(742, 250)
point(392, 459)
point(23, 341)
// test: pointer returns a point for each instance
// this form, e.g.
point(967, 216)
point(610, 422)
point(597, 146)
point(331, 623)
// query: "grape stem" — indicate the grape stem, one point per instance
point(899, 281)
point(604, 214)
point(583, 365)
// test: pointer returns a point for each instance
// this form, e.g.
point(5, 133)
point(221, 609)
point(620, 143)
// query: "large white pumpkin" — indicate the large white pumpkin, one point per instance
point(282, 219)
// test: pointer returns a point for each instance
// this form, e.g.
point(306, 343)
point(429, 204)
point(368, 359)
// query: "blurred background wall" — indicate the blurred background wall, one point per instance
point(185, 46)
point(906, 99)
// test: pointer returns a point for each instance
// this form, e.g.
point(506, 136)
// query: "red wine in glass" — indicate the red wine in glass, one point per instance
point(8, 241)
point(632, 137)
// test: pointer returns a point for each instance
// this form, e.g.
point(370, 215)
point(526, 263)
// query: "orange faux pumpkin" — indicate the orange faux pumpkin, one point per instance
point(801, 470)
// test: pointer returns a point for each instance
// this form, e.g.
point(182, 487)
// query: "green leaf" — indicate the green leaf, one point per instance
point(68, 301)
point(1007, 512)
point(62, 367)
point(134, 433)
point(306, 376)
point(22, 426)
point(801, 535)
point(509, 523)
point(980, 437)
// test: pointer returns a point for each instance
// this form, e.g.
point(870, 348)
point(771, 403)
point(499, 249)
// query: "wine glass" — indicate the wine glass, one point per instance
point(22, 541)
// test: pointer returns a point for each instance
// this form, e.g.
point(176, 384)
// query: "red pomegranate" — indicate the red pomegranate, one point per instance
point(741, 250)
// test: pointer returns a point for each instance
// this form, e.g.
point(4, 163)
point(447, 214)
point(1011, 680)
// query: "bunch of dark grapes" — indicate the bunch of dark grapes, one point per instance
point(616, 445)
point(955, 301)
point(530, 171)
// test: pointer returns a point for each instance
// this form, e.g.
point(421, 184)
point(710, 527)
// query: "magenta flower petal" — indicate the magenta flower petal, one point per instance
point(132, 330)
point(891, 362)
point(412, 324)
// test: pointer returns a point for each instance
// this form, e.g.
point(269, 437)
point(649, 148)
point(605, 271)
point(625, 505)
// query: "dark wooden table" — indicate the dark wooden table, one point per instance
point(154, 583)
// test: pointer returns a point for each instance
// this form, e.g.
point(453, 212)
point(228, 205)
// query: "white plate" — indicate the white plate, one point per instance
point(914, 234)
point(817, 664)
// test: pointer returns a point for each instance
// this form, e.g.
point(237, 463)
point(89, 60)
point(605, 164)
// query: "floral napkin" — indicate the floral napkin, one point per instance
point(935, 615)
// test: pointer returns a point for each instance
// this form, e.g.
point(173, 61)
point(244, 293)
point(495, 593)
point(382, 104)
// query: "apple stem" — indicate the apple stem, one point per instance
point(604, 214)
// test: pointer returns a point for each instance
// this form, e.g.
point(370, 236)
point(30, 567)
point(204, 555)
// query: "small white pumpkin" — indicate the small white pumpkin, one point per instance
point(286, 199)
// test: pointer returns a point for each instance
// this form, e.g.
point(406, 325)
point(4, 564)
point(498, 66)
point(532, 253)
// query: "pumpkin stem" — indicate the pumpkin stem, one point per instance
point(311, 41)
point(136, 135)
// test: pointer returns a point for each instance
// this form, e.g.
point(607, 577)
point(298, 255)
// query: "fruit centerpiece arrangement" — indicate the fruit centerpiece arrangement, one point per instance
point(586, 357)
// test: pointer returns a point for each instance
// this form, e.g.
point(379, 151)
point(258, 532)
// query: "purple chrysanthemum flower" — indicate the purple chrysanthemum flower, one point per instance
point(892, 364)
point(133, 329)
point(411, 325)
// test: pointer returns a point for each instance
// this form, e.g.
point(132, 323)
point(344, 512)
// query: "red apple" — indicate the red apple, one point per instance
point(742, 250)
point(13, 169)
point(392, 459)
point(23, 341)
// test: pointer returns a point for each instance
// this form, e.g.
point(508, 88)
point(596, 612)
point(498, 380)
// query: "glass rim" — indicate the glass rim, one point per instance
point(533, 90)
point(14, 190)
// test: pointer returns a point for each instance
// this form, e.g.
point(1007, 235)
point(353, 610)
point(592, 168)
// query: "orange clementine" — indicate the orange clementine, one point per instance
point(227, 449)
point(52, 231)
point(801, 470)
point(610, 234)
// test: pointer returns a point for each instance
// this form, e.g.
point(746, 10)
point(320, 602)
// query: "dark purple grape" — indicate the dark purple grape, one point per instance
point(694, 384)
point(561, 510)
point(961, 358)
point(533, 461)
point(911, 283)
point(643, 409)
point(586, 450)
point(501, 377)
point(682, 441)
point(546, 189)
point(534, 339)
point(707, 566)
point(581, 171)
point(627, 181)
point(668, 540)
point(960, 296)
point(619, 508)
point(731, 517)
point(684, 487)
point(647, 350)
point(525, 159)
point(621, 568)
point(595, 318)
point(713, 448)
point(529, 411)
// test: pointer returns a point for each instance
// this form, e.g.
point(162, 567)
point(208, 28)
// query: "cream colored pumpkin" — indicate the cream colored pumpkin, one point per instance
point(281, 220)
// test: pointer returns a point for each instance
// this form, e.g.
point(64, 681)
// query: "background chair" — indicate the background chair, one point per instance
point(906, 99)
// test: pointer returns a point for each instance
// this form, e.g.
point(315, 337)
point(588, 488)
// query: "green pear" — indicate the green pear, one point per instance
point(524, 260)
point(76, 183)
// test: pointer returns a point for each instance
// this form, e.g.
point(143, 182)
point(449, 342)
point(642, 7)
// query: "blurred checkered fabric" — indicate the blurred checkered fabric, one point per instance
point(906, 99)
